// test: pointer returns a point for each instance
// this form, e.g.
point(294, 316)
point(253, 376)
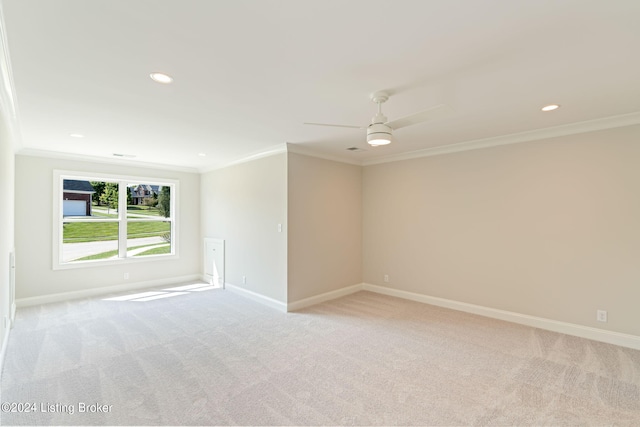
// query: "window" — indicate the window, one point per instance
point(110, 219)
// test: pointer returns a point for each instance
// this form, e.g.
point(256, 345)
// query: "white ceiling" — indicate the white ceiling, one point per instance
point(248, 73)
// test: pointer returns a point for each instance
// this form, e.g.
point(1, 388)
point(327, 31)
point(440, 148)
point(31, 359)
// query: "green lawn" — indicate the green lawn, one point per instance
point(143, 210)
point(76, 232)
point(163, 250)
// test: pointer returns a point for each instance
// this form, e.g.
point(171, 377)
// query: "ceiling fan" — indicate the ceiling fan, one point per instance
point(380, 131)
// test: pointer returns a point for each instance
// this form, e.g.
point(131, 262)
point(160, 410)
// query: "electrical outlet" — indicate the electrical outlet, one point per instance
point(126, 276)
point(244, 280)
point(386, 278)
point(601, 316)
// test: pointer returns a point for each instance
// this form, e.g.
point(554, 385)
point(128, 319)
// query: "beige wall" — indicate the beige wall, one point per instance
point(243, 204)
point(549, 228)
point(325, 226)
point(34, 242)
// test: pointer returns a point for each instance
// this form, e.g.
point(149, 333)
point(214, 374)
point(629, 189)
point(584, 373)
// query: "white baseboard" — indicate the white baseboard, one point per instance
point(616, 338)
point(257, 297)
point(338, 293)
point(85, 293)
point(624, 340)
point(3, 349)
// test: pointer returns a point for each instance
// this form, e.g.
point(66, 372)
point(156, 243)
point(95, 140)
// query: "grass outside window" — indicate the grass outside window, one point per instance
point(89, 231)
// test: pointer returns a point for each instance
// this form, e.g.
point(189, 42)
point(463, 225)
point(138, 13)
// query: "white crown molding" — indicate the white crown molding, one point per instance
point(271, 151)
point(306, 151)
point(107, 160)
point(279, 149)
point(8, 102)
point(623, 120)
point(515, 138)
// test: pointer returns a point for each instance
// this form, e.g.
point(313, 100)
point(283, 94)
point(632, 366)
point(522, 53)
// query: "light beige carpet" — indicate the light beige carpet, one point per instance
point(216, 358)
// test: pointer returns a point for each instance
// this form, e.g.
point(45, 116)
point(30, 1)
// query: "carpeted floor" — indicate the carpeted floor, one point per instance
point(211, 357)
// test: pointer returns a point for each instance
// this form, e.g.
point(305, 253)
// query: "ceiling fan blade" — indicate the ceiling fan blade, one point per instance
point(433, 113)
point(336, 126)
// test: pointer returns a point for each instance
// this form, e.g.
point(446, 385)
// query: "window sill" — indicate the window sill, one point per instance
point(110, 262)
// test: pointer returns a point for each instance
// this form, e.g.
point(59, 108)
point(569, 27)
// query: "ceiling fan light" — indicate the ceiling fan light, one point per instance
point(379, 142)
point(376, 139)
point(379, 134)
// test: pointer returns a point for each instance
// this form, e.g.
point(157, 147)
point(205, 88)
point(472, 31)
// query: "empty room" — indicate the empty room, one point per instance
point(301, 212)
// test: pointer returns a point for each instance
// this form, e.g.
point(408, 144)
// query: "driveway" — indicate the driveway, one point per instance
point(71, 251)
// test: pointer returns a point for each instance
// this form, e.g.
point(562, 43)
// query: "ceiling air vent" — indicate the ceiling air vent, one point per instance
point(354, 149)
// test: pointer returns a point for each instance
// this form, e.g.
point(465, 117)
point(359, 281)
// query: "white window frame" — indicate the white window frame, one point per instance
point(60, 175)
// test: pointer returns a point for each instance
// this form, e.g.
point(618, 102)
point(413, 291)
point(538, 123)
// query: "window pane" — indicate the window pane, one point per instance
point(104, 200)
point(147, 200)
point(84, 241)
point(148, 238)
point(91, 221)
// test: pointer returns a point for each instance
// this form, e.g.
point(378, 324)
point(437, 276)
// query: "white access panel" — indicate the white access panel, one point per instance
point(214, 261)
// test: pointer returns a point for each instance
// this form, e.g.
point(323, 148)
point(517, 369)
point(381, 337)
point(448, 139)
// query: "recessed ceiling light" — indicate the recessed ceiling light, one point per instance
point(76, 135)
point(550, 107)
point(202, 154)
point(161, 78)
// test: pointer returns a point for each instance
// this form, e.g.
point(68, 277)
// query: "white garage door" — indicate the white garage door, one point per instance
point(74, 208)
